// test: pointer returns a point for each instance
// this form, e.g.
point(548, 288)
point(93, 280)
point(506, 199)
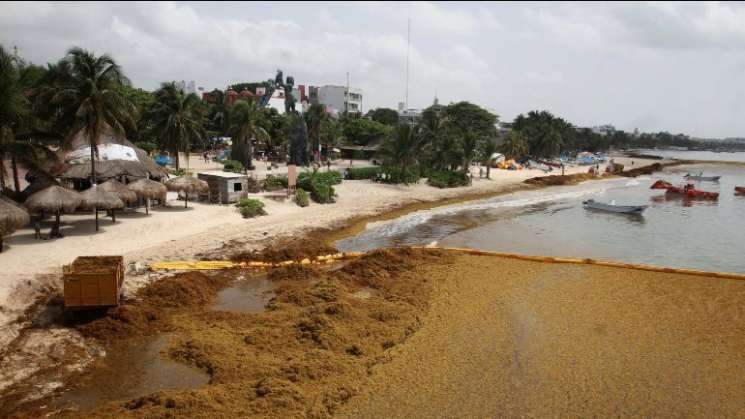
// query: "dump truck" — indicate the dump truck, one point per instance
point(93, 282)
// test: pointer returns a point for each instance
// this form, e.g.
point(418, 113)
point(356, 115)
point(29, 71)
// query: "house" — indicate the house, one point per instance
point(225, 187)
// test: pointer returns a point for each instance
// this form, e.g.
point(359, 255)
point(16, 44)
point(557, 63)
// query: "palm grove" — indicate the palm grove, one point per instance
point(44, 107)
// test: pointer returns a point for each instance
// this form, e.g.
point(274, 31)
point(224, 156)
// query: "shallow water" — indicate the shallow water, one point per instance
point(552, 221)
point(247, 296)
point(132, 370)
point(698, 155)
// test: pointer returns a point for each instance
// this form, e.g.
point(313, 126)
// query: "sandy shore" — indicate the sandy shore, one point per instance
point(508, 338)
point(173, 233)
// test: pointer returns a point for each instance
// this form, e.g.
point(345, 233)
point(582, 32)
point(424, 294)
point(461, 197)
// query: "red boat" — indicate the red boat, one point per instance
point(740, 190)
point(688, 190)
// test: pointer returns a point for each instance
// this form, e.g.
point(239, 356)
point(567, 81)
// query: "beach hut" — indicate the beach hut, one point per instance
point(225, 187)
point(12, 217)
point(149, 189)
point(116, 157)
point(187, 184)
point(54, 200)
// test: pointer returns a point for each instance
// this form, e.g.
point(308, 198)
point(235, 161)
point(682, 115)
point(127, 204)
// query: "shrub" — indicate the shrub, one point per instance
point(322, 193)
point(395, 175)
point(275, 183)
point(302, 198)
point(180, 172)
point(250, 208)
point(253, 185)
point(329, 178)
point(360, 173)
point(448, 179)
point(233, 166)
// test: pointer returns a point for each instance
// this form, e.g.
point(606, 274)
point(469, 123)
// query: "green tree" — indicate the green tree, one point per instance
point(13, 110)
point(487, 148)
point(514, 145)
point(385, 116)
point(315, 118)
point(176, 120)
point(469, 143)
point(402, 149)
point(362, 131)
point(85, 96)
point(547, 135)
point(247, 124)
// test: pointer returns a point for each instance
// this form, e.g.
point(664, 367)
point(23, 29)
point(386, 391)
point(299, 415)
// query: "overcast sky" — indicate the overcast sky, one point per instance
point(656, 66)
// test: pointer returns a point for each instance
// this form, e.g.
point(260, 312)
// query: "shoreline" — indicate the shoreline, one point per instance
point(332, 231)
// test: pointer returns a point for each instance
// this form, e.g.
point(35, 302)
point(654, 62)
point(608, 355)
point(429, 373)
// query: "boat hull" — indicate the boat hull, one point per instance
point(618, 209)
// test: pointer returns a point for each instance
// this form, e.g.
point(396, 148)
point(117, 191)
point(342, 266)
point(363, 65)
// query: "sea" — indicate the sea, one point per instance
point(673, 231)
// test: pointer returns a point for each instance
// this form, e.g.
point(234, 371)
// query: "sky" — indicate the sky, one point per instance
point(678, 67)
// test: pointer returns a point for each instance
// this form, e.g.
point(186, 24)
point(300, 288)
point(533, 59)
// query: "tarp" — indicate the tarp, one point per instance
point(105, 152)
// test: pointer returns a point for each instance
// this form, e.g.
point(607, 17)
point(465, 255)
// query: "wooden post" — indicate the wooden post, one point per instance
point(186, 200)
point(95, 210)
point(147, 203)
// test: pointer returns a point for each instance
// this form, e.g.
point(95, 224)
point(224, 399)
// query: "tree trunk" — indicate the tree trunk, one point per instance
point(186, 200)
point(93, 164)
point(55, 229)
point(113, 216)
point(14, 167)
point(147, 204)
point(95, 210)
point(250, 152)
point(177, 160)
point(488, 171)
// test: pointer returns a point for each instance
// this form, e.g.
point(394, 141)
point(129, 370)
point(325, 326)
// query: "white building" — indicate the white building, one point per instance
point(340, 98)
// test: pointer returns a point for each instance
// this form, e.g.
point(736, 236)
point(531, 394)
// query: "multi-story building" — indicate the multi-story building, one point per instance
point(339, 98)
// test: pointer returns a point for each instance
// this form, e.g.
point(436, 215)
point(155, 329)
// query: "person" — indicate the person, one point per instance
point(632, 163)
point(562, 169)
point(37, 227)
point(481, 172)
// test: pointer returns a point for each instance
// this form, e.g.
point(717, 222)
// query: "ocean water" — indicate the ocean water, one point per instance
point(698, 155)
point(672, 232)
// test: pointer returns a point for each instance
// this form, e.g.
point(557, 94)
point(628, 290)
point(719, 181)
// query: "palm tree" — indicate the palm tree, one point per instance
point(315, 118)
point(176, 119)
point(402, 150)
point(84, 96)
point(469, 144)
point(13, 109)
point(247, 122)
point(487, 149)
point(514, 145)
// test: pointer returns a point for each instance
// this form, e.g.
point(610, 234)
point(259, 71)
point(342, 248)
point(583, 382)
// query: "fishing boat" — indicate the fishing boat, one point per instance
point(740, 190)
point(701, 177)
point(612, 207)
point(687, 190)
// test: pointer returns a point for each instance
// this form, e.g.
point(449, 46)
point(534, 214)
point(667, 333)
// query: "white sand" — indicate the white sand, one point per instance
point(174, 233)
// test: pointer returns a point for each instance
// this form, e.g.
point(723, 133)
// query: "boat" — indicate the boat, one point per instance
point(687, 190)
point(740, 190)
point(612, 207)
point(701, 177)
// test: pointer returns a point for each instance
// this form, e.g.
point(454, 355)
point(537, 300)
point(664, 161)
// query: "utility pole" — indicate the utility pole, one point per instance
point(408, 47)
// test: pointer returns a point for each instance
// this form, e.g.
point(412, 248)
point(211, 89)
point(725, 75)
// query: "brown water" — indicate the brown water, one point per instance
point(247, 296)
point(134, 369)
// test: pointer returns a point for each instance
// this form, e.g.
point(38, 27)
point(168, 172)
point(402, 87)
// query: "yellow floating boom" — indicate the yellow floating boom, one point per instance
point(204, 265)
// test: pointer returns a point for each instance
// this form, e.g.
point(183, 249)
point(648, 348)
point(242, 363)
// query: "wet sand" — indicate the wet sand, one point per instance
point(509, 338)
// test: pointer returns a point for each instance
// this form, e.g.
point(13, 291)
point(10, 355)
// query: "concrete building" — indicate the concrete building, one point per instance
point(225, 187)
point(339, 98)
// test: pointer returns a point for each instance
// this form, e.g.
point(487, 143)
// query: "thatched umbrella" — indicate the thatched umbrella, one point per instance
point(187, 185)
point(54, 199)
point(96, 198)
point(149, 189)
point(119, 189)
point(12, 216)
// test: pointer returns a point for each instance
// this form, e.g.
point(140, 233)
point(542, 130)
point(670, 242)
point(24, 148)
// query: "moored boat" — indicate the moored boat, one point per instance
point(701, 177)
point(740, 190)
point(612, 207)
point(687, 190)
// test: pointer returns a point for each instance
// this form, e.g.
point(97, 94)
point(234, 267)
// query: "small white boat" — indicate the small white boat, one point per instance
point(612, 207)
point(701, 176)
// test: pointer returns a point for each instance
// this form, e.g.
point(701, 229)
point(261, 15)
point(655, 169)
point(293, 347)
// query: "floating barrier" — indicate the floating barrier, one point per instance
point(328, 259)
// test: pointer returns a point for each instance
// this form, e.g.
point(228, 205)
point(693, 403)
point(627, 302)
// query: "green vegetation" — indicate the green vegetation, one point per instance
point(233, 166)
point(514, 145)
point(250, 207)
point(302, 198)
point(247, 123)
point(361, 131)
point(320, 185)
point(395, 175)
point(361, 173)
point(275, 182)
point(386, 116)
point(176, 120)
point(147, 146)
point(448, 179)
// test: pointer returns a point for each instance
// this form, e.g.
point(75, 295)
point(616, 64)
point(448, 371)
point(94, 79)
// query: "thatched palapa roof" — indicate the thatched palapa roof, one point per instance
point(147, 188)
point(119, 189)
point(12, 216)
point(96, 197)
point(188, 184)
point(53, 199)
point(117, 157)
